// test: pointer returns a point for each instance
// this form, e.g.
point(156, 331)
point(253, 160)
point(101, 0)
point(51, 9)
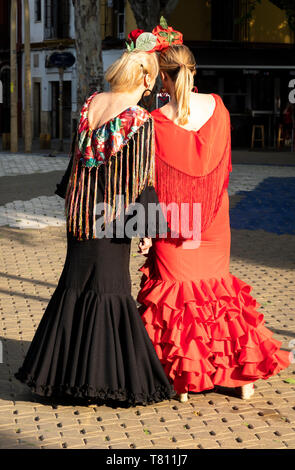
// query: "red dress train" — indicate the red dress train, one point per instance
point(202, 320)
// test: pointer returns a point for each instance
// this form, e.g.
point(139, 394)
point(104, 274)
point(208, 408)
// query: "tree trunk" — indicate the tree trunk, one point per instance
point(88, 49)
point(28, 81)
point(148, 12)
point(13, 80)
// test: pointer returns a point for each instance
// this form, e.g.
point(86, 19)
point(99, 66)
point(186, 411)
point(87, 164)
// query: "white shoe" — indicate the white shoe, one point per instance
point(183, 397)
point(246, 391)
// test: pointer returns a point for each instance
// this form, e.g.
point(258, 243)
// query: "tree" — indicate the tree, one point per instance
point(13, 79)
point(287, 5)
point(88, 49)
point(28, 81)
point(148, 12)
point(88, 38)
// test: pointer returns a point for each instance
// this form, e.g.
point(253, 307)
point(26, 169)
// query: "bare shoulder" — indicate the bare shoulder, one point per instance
point(205, 100)
point(99, 99)
point(97, 108)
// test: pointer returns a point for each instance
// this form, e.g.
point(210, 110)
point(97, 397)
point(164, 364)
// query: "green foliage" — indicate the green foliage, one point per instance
point(163, 23)
point(249, 13)
point(169, 36)
point(130, 46)
point(287, 5)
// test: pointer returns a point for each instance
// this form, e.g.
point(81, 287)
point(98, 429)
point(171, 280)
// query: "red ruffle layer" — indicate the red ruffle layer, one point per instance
point(208, 332)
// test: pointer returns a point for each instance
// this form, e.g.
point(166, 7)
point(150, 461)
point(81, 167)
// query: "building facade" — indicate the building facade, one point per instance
point(5, 66)
point(250, 64)
point(51, 30)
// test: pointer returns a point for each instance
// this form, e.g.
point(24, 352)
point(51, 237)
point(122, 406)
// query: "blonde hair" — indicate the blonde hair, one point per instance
point(179, 63)
point(127, 72)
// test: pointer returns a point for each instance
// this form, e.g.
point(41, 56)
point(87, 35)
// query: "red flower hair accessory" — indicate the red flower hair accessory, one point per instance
point(166, 35)
point(133, 35)
point(138, 39)
point(160, 38)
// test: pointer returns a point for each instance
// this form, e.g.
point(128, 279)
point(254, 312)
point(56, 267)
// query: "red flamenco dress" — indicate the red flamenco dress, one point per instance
point(202, 320)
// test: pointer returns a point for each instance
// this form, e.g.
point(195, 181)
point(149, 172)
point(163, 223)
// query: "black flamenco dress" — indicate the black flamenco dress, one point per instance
point(91, 342)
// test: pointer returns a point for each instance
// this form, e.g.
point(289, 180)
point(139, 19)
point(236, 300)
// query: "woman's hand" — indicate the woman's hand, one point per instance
point(144, 245)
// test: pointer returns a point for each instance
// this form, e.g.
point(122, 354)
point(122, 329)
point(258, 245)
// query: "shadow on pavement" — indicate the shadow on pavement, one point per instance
point(11, 389)
point(282, 332)
point(26, 187)
point(262, 224)
point(270, 207)
point(261, 248)
point(28, 236)
point(10, 441)
point(36, 282)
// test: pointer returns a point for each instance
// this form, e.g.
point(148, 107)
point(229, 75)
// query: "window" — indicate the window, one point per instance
point(5, 111)
point(48, 16)
point(67, 109)
point(4, 26)
point(225, 20)
point(235, 92)
point(120, 14)
point(207, 81)
point(57, 19)
point(37, 10)
point(36, 60)
point(222, 19)
point(262, 92)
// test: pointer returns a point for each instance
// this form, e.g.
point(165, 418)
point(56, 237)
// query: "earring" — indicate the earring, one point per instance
point(145, 91)
point(162, 98)
point(147, 100)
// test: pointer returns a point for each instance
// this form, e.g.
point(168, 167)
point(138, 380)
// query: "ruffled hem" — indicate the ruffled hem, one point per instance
point(87, 393)
point(94, 347)
point(208, 332)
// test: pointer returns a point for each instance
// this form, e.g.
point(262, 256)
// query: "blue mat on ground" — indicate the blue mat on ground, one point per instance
point(270, 207)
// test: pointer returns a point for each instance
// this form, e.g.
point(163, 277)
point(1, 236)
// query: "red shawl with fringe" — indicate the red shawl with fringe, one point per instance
point(193, 166)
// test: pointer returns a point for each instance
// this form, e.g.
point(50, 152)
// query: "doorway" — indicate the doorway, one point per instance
point(67, 109)
point(36, 109)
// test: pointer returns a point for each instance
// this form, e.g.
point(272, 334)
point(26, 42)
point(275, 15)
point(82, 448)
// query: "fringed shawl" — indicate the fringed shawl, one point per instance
point(124, 148)
point(193, 166)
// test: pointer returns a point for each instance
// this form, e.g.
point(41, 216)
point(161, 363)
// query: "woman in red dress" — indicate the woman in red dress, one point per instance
point(202, 320)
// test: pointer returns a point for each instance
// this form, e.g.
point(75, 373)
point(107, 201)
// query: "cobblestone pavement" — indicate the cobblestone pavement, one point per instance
point(47, 209)
point(30, 266)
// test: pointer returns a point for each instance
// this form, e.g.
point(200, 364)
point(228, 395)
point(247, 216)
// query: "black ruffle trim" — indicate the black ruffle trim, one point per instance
point(90, 394)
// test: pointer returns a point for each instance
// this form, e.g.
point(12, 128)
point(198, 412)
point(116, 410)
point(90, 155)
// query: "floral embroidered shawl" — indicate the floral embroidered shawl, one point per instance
point(105, 146)
point(96, 146)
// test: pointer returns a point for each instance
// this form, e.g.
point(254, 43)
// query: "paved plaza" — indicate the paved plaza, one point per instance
point(32, 254)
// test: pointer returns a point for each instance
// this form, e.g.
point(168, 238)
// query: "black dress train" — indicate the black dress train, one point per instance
point(91, 342)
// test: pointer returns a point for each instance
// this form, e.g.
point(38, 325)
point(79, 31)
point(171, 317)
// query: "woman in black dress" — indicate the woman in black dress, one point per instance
point(91, 342)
